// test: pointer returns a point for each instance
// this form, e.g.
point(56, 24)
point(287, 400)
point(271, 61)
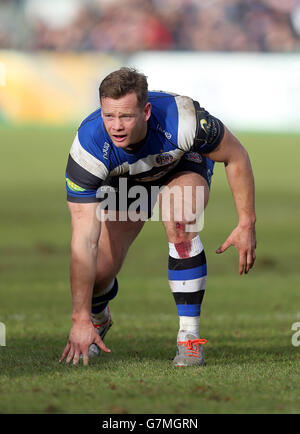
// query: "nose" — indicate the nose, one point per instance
point(117, 124)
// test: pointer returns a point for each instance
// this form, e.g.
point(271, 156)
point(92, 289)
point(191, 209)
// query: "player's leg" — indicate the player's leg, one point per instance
point(187, 261)
point(115, 240)
point(118, 230)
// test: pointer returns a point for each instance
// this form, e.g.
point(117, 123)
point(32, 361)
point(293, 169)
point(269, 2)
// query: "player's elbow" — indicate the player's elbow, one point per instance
point(229, 150)
point(86, 244)
point(238, 155)
point(92, 244)
point(244, 156)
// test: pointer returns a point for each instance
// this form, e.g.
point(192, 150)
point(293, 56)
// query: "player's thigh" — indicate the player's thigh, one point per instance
point(182, 203)
point(114, 242)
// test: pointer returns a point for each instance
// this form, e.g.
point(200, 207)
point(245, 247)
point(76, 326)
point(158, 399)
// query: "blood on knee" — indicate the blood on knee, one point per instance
point(183, 249)
point(179, 226)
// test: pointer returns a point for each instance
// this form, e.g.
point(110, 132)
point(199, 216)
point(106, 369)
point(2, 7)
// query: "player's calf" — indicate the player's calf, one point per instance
point(187, 278)
point(100, 313)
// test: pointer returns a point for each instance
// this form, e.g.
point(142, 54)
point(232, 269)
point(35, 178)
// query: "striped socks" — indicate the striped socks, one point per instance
point(187, 278)
point(100, 302)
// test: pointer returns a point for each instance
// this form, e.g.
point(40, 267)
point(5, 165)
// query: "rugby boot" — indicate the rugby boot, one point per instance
point(101, 329)
point(189, 350)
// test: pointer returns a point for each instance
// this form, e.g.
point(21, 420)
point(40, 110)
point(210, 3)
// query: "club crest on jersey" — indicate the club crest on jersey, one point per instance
point(163, 159)
point(193, 156)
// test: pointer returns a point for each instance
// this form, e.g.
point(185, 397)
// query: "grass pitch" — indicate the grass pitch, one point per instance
point(252, 366)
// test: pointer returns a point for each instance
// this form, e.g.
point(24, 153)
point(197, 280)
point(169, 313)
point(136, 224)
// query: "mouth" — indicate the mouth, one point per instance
point(119, 137)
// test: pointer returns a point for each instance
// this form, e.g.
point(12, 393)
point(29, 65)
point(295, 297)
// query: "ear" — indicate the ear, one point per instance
point(147, 111)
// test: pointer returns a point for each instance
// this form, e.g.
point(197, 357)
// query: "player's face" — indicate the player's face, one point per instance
point(124, 120)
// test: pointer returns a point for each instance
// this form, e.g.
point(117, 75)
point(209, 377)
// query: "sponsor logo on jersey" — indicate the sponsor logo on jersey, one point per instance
point(166, 133)
point(105, 150)
point(163, 159)
point(203, 124)
point(74, 187)
point(154, 176)
point(193, 156)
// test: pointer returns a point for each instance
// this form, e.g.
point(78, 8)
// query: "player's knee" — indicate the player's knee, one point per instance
point(106, 271)
point(180, 231)
point(102, 282)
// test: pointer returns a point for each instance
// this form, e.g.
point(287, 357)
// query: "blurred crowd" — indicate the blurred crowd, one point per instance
point(133, 25)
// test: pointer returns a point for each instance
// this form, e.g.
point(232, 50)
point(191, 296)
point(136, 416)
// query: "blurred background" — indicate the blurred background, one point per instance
point(241, 60)
point(222, 52)
point(135, 25)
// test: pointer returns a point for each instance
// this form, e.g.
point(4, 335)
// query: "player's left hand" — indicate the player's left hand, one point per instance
point(82, 335)
point(244, 239)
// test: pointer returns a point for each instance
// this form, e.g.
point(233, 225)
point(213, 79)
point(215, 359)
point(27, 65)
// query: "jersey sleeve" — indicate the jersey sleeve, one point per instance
point(209, 131)
point(85, 171)
point(197, 129)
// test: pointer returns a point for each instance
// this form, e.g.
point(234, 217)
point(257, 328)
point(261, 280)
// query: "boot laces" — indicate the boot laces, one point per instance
point(192, 346)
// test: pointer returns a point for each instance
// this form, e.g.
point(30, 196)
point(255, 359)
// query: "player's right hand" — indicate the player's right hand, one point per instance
point(82, 335)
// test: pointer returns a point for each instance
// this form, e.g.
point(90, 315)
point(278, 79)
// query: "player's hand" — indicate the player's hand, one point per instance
point(244, 239)
point(82, 335)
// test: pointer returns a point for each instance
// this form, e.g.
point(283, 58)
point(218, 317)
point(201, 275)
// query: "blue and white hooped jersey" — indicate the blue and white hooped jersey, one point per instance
point(177, 125)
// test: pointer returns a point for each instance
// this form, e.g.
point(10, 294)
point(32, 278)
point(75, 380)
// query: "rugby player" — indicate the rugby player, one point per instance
point(149, 139)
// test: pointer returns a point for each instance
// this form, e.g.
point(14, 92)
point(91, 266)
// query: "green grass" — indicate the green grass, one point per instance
point(252, 366)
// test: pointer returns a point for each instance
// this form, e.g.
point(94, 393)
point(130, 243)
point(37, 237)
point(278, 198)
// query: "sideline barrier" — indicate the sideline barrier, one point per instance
point(248, 91)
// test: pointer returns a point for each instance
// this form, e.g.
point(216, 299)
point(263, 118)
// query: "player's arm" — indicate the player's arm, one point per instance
point(85, 172)
point(84, 248)
point(240, 178)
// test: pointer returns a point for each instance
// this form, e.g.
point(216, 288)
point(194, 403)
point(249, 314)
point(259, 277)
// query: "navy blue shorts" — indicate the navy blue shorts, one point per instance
point(190, 162)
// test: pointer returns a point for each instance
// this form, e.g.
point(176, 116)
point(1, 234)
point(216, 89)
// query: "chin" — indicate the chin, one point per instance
point(121, 145)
